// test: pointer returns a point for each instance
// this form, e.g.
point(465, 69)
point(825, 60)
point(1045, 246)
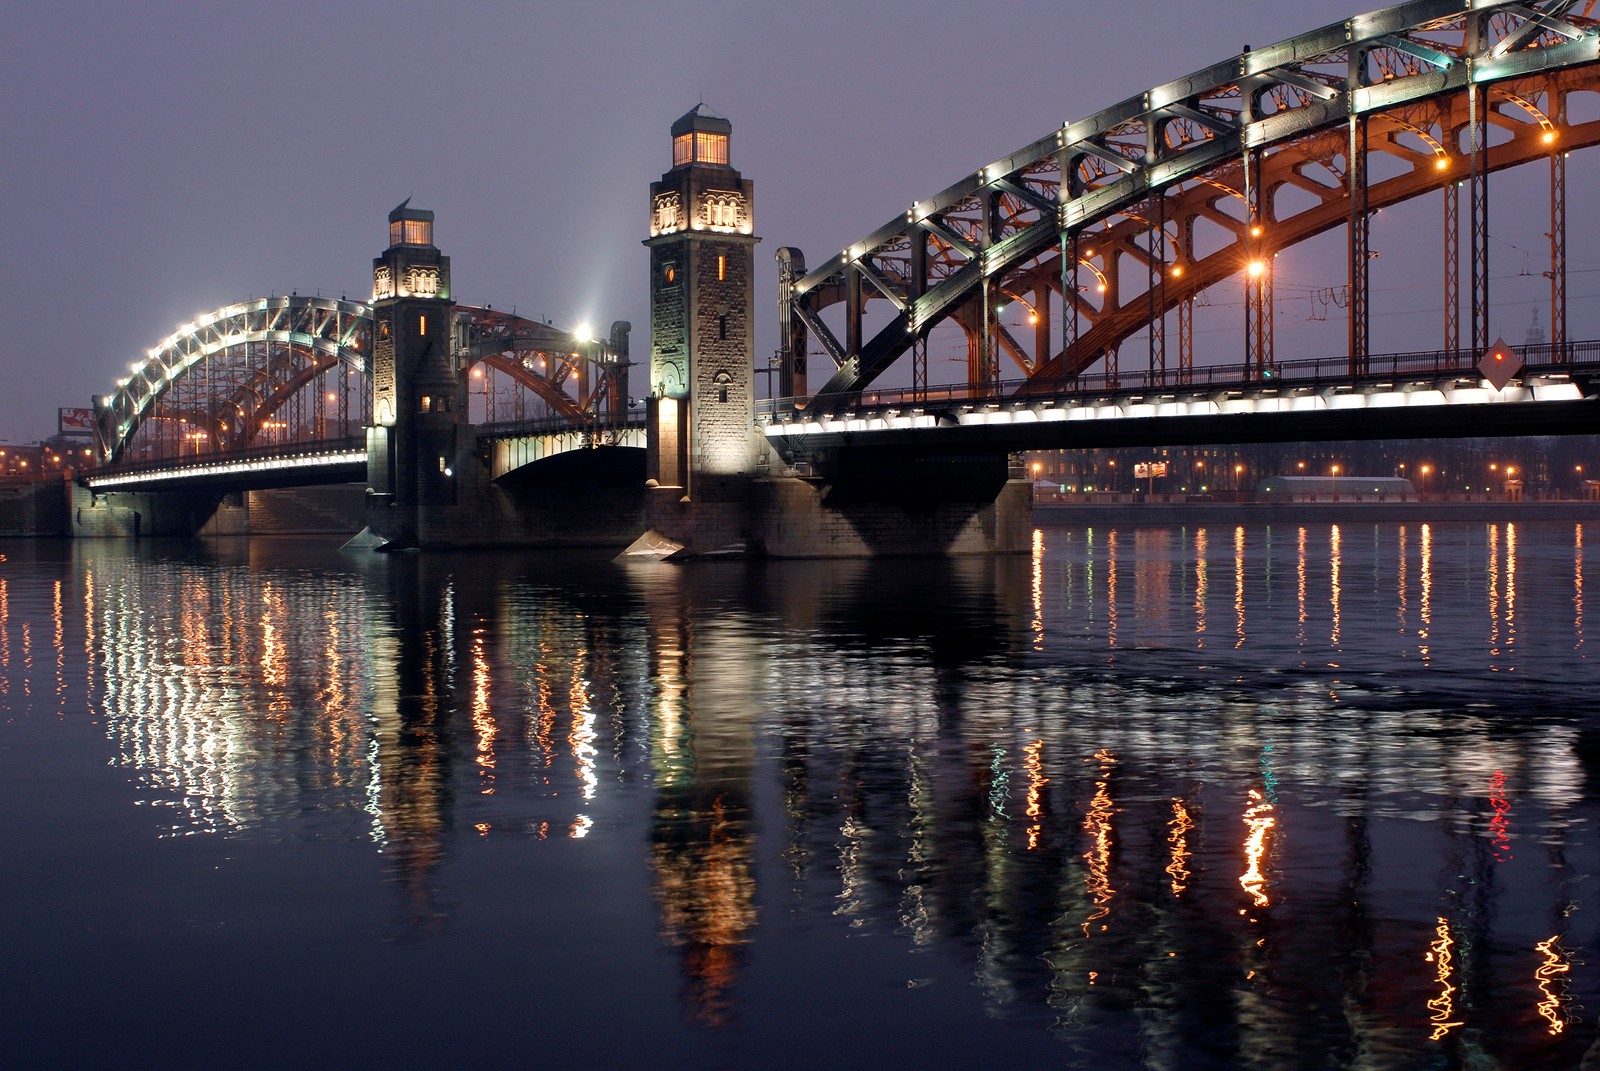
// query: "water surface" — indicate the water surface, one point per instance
point(1205, 797)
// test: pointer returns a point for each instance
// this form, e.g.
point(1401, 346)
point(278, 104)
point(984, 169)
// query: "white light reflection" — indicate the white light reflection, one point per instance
point(1577, 586)
point(1111, 588)
point(483, 725)
point(582, 736)
point(1038, 589)
point(1335, 592)
point(1492, 590)
point(1238, 586)
point(1300, 589)
point(1425, 611)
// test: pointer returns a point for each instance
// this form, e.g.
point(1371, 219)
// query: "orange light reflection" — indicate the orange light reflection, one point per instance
point(1549, 976)
point(1259, 819)
point(1178, 838)
point(1097, 823)
point(1036, 782)
point(1443, 1006)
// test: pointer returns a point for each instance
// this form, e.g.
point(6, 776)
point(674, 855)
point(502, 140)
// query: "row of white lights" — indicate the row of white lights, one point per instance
point(225, 468)
point(1132, 409)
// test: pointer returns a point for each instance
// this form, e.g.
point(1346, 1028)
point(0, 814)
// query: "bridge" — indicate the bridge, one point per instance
point(278, 391)
point(1107, 230)
point(1112, 226)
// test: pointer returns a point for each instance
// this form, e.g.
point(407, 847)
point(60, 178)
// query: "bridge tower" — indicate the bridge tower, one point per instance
point(418, 402)
point(702, 312)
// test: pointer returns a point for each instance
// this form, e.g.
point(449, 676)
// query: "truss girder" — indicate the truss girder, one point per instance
point(1267, 100)
point(322, 331)
point(545, 359)
point(223, 377)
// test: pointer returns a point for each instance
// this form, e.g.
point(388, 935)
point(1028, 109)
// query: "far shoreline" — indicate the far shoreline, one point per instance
point(1330, 512)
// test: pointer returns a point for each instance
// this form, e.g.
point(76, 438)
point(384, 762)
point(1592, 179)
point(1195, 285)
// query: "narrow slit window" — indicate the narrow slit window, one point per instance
point(422, 324)
point(722, 267)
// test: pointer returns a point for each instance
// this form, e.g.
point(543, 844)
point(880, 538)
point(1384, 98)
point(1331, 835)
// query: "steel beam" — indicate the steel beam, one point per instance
point(1155, 293)
point(1360, 232)
point(1558, 234)
point(1452, 267)
point(1477, 121)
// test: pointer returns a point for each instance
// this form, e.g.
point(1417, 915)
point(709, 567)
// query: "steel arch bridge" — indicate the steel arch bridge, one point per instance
point(1107, 225)
point(292, 374)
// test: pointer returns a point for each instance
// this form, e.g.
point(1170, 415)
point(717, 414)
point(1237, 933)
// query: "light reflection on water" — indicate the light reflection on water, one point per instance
point(1055, 814)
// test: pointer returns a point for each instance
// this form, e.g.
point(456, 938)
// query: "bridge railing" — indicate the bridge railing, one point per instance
point(503, 429)
point(269, 452)
point(1315, 373)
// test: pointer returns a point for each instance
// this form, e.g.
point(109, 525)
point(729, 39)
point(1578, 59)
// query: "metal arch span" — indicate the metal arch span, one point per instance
point(294, 370)
point(1100, 198)
point(574, 377)
point(217, 381)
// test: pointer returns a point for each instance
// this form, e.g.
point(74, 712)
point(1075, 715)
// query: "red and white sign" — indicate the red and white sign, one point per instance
point(76, 420)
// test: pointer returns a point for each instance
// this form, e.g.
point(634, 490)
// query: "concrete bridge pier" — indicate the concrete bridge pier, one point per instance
point(155, 514)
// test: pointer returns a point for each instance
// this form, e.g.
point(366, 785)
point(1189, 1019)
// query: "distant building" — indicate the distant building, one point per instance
point(1328, 488)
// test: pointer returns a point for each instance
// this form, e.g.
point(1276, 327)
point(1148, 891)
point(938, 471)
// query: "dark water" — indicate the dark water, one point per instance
point(1170, 798)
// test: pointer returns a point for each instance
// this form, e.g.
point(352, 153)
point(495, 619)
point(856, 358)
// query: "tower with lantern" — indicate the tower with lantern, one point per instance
point(702, 311)
point(417, 396)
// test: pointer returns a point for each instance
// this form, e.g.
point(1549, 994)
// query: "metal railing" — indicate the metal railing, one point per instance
point(504, 429)
point(269, 452)
point(1311, 373)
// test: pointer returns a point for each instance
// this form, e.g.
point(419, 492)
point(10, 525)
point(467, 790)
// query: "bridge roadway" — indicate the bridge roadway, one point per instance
point(505, 446)
point(1428, 394)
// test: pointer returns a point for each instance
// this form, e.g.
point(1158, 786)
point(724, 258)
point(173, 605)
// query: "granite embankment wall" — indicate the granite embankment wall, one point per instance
point(34, 507)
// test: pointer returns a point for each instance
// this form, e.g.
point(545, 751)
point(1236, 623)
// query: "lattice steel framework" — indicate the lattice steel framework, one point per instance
point(278, 369)
point(1420, 83)
point(294, 370)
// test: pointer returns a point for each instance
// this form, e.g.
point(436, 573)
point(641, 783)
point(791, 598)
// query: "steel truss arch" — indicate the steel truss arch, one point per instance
point(264, 351)
point(577, 378)
point(216, 384)
point(1238, 129)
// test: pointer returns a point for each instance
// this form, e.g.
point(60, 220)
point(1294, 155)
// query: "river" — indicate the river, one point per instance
point(1164, 797)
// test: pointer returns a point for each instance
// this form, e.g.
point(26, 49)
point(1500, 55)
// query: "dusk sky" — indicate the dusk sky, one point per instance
point(162, 160)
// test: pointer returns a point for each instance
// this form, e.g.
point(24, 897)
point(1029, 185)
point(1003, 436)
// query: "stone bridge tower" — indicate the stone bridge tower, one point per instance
point(417, 400)
point(702, 311)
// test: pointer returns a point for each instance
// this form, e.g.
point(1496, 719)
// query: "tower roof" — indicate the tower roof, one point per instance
point(406, 210)
point(701, 118)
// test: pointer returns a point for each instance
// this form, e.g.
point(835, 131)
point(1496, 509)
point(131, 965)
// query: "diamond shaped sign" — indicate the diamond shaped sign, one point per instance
point(1500, 365)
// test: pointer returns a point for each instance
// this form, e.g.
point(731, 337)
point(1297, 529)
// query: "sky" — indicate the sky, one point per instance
point(164, 159)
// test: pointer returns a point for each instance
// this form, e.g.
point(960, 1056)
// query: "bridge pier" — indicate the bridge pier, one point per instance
point(154, 514)
point(712, 487)
point(793, 517)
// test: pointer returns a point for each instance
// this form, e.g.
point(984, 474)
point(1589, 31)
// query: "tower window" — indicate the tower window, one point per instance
point(710, 148)
point(669, 273)
point(682, 149)
point(422, 324)
point(722, 267)
point(411, 232)
point(722, 327)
